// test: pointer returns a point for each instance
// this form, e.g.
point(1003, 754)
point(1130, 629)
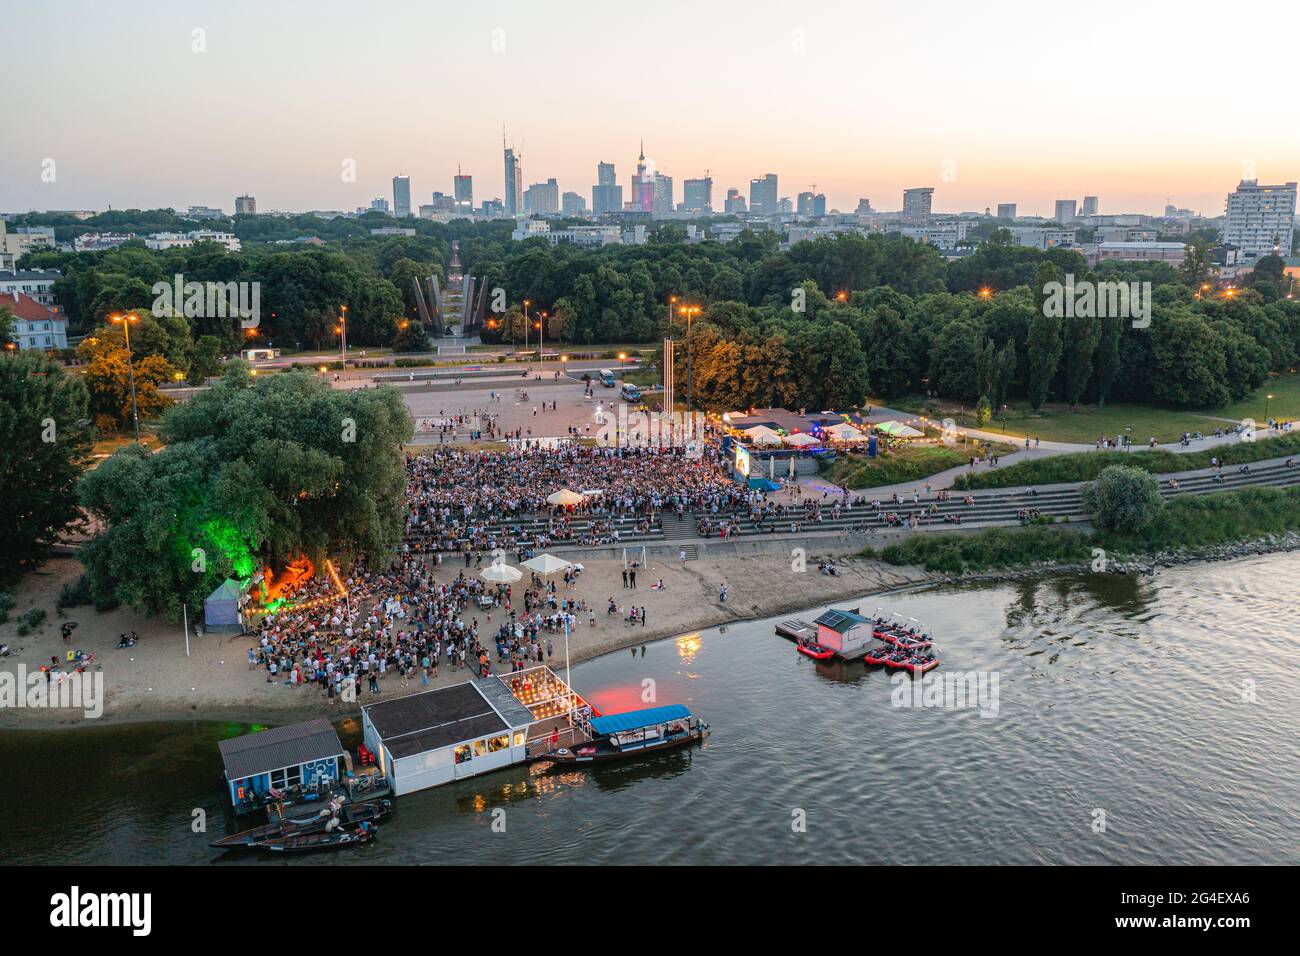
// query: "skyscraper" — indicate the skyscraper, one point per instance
point(1090, 205)
point(463, 190)
point(572, 205)
point(811, 204)
point(514, 178)
point(1006, 210)
point(245, 205)
point(401, 196)
point(735, 202)
point(643, 186)
point(662, 202)
point(917, 204)
point(697, 195)
point(762, 195)
point(607, 194)
point(1260, 219)
point(1067, 210)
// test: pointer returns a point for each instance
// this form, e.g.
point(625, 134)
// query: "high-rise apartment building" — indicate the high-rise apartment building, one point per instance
point(763, 196)
point(1260, 219)
point(1006, 210)
point(734, 203)
point(1067, 210)
point(245, 206)
point(810, 204)
point(918, 204)
point(572, 205)
point(1090, 205)
point(662, 202)
point(697, 195)
point(401, 196)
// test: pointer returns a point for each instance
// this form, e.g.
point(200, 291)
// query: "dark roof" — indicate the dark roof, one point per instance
point(504, 702)
point(786, 419)
point(434, 719)
point(841, 621)
point(279, 747)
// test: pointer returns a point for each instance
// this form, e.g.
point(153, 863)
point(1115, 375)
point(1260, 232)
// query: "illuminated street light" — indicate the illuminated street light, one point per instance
point(126, 321)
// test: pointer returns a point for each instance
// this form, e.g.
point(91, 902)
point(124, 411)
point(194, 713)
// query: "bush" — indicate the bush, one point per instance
point(35, 617)
point(6, 605)
point(1123, 499)
point(75, 594)
point(988, 549)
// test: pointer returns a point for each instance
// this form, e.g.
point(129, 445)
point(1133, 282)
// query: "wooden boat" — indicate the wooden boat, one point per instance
point(333, 840)
point(351, 816)
point(634, 733)
point(814, 650)
point(795, 629)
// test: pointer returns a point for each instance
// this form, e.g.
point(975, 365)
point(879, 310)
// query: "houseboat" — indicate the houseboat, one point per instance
point(631, 734)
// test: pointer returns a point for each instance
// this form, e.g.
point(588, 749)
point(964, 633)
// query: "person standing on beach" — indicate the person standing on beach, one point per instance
point(643, 617)
point(631, 576)
point(625, 577)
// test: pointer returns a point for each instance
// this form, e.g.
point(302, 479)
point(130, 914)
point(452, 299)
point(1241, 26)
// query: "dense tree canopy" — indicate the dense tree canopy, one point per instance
point(44, 435)
point(254, 471)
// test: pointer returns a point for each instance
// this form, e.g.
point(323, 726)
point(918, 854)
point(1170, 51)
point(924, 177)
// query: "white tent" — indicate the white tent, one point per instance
point(844, 432)
point(762, 435)
point(501, 573)
point(800, 439)
point(564, 497)
point(898, 430)
point(546, 564)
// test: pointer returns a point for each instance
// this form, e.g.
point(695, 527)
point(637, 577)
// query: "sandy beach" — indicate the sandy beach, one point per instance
point(155, 680)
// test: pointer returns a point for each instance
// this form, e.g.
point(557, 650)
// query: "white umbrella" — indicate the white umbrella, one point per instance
point(501, 573)
point(546, 564)
point(564, 497)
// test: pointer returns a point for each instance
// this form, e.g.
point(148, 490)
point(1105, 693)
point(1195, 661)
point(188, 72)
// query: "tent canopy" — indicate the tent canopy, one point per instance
point(546, 564)
point(762, 435)
point(844, 432)
point(501, 573)
point(898, 430)
point(800, 439)
point(564, 497)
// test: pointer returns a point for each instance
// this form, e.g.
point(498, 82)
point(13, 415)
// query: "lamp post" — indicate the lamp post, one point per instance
point(690, 311)
point(527, 303)
point(126, 321)
point(541, 337)
point(1267, 420)
point(343, 335)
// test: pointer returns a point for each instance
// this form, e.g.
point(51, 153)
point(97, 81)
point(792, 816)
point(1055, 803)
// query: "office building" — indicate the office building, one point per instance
point(763, 195)
point(514, 200)
point(917, 204)
point(810, 204)
point(662, 202)
point(572, 205)
point(697, 195)
point(1006, 210)
point(542, 199)
point(734, 203)
point(1090, 204)
point(607, 194)
point(463, 191)
point(1260, 219)
point(401, 196)
point(1067, 211)
point(379, 205)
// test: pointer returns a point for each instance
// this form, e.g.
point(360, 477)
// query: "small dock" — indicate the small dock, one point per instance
point(795, 629)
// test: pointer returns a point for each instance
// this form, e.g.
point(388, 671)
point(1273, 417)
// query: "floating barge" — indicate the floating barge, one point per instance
point(794, 630)
point(631, 734)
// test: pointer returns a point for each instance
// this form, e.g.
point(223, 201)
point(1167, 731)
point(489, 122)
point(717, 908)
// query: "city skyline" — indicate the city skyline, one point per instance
point(818, 98)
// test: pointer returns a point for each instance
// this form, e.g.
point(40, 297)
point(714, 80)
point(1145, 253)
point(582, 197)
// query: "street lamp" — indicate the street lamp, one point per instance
point(343, 335)
point(690, 311)
point(1267, 399)
point(541, 337)
point(126, 321)
point(527, 303)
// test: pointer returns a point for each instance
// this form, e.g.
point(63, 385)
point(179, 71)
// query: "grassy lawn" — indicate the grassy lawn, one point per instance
point(902, 463)
point(1085, 425)
point(1087, 465)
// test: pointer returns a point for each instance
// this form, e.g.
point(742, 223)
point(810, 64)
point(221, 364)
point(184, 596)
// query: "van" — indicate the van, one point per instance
point(630, 393)
point(607, 378)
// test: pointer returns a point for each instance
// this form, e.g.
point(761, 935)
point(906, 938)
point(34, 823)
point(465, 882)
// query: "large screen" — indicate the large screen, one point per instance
point(742, 460)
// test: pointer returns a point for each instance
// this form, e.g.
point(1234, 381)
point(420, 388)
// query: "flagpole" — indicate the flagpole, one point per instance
point(568, 676)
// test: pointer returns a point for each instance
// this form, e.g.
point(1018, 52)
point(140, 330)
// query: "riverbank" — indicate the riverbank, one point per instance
point(155, 680)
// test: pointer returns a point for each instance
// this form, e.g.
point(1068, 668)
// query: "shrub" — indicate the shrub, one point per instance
point(1123, 499)
point(6, 605)
point(75, 594)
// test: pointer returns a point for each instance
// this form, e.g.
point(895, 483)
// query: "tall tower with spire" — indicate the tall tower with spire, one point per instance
point(514, 191)
point(643, 185)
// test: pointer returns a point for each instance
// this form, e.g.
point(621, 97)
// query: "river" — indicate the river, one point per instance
point(1137, 721)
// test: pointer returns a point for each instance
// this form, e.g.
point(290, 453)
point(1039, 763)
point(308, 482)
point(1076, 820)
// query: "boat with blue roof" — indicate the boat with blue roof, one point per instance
point(633, 733)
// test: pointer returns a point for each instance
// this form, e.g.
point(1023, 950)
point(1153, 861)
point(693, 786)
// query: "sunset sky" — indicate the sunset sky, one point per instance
point(1138, 104)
